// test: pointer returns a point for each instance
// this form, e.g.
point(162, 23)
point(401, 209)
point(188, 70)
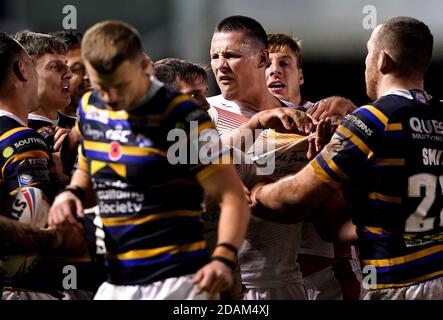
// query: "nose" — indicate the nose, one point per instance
point(109, 96)
point(68, 73)
point(274, 69)
point(221, 63)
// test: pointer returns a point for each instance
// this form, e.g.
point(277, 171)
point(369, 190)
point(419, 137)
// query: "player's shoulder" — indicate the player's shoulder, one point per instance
point(66, 121)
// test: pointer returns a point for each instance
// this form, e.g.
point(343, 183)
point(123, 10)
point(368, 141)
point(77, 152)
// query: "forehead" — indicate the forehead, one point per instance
point(284, 53)
point(196, 83)
point(50, 57)
point(234, 40)
point(123, 73)
point(74, 53)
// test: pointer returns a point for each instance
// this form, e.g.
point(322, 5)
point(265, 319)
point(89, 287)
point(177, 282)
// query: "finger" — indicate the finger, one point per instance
point(311, 148)
point(318, 110)
point(285, 121)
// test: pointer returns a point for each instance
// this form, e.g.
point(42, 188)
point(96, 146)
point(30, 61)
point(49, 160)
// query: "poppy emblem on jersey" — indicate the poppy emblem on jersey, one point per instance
point(8, 152)
point(115, 151)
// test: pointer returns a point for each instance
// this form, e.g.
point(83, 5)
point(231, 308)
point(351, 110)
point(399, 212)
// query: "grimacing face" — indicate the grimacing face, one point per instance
point(234, 62)
point(53, 85)
point(122, 88)
point(283, 76)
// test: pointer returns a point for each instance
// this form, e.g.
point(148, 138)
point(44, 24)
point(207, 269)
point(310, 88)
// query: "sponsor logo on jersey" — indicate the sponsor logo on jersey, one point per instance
point(96, 115)
point(7, 152)
point(118, 134)
point(27, 141)
point(94, 134)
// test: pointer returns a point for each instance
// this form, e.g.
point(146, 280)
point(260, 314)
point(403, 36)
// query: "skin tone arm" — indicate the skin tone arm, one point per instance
point(224, 187)
point(67, 206)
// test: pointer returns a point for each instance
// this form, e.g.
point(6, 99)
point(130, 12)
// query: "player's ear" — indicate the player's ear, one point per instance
point(147, 65)
point(301, 77)
point(263, 58)
point(19, 70)
point(385, 62)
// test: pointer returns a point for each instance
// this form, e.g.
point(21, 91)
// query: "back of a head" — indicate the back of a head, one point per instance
point(278, 42)
point(72, 40)
point(10, 52)
point(39, 44)
point(410, 42)
point(170, 70)
point(250, 27)
point(109, 43)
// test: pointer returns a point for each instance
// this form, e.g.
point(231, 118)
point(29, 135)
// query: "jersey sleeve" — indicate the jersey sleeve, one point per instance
point(351, 147)
point(198, 144)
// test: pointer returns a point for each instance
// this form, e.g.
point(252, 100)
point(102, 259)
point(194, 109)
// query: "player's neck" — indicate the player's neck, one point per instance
point(259, 100)
point(46, 112)
point(394, 83)
point(8, 106)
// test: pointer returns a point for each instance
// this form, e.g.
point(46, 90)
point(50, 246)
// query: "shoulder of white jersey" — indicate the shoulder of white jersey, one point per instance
point(222, 103)
point(213, 114)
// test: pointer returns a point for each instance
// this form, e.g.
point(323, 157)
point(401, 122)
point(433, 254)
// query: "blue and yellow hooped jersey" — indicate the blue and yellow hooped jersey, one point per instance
point(149, 207)
point(24, 159)
point(389, 154)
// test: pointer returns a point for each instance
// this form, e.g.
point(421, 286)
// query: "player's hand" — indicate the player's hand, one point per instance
point(284, 120)
point(325, 129)
point(73, 240)
point(65, 208)
point(254, 190)
point(331, 106)
point(214, 277)
point(59, 135)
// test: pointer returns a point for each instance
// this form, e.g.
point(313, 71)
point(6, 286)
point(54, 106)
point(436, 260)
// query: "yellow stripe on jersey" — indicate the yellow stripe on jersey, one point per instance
point(123, 221)
point(356, 140)
point(25, 155)
point(149, 253)
point(175, 102)
point(403, 259)
point(383, 197)
point(82, 162)
point(85, 100)
point(208, 171)
point(394, 127)
point(375, 230)
point(377, 113)
point(331, 164)
point(322, 175)
point(97, 165)
point(410, 282)
point(12, 131)
point(390, 161)
point(126, 150)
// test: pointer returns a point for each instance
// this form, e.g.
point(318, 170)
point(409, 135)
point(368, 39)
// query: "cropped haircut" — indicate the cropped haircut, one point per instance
point(72, 40)
point(10, 52)
point(109, 43)
point(171, 70)
point(410, 41)
point(39, 44)
point(250, 27)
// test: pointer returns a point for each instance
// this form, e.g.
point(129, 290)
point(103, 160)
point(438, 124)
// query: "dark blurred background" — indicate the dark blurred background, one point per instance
point(334, 32)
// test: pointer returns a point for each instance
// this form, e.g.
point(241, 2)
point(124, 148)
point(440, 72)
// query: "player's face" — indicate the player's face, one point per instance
point(53, 86)
point(371, 72)
point(197, 88)
point(283, 76)
point(235, 63)
point(122, 88)
point(79, 83)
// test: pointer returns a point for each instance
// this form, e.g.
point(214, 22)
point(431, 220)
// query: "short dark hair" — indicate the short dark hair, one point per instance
point(250, 27)
point(72, 40)
point(170, 70)
point(10, 51)
point(277, 42)
point(107, 44)
point(410, 41)
point(39, 44)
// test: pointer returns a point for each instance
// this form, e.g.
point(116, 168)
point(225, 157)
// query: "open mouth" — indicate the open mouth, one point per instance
point(65, 89)
point(276, 85)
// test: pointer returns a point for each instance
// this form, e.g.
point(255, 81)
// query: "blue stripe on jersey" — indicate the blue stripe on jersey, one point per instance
point(120, 230)
point(352, 145)
point(103, 156)
point(370, 235)
point(418, 262)
point(170, 258)
point(394, 134)
point(376, 121)
point(8, 140)
point(381, 203)
point(321, 161)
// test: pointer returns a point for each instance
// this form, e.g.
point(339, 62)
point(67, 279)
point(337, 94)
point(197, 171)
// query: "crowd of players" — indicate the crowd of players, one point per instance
point(88, 120)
